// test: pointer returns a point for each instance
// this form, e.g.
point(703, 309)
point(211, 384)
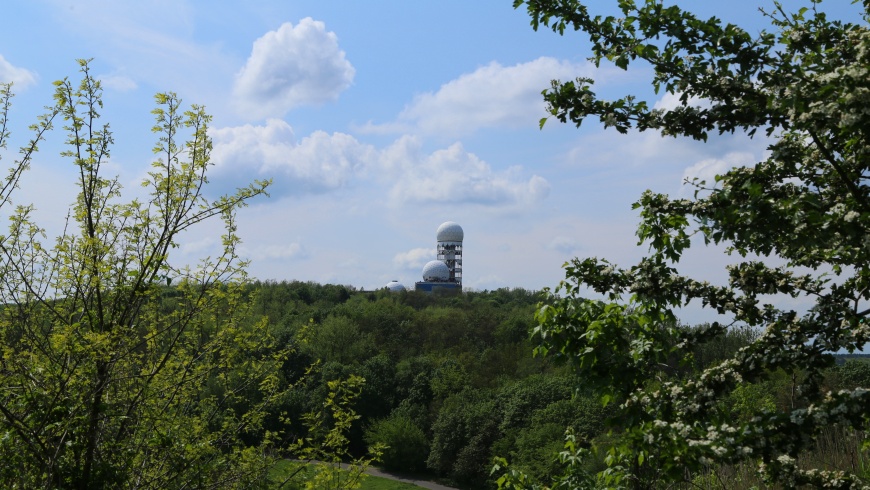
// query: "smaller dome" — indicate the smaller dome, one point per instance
point(449, 232)
point(395, 286)
point(436, 271)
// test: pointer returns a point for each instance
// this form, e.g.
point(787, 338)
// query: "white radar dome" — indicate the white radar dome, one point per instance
point(395, 286)
point(436, 271)
point(450, 232)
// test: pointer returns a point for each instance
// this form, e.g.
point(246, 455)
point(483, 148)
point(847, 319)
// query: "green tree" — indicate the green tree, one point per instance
point(327, 445)
point(405, 444)
point(337, 339)
point(854, 374)
point(108, 378)
point(462, 435)
point(805, 84)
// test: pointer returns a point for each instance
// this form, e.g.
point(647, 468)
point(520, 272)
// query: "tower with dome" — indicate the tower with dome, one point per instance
point(449, 237)
point(444, 273)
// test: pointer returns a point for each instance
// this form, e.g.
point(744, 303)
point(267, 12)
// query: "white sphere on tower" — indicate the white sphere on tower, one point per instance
point(449, 232)
point(436, 271)
point(395, 286)
point(449, 237)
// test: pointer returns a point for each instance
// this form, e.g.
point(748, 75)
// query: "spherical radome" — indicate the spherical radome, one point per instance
point(436, 271)
point(395, 286)
point(450, 232)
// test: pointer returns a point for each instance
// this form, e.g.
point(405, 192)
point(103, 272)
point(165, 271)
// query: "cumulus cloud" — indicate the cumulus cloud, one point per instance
point(453, 175)
point(21, 77)
point(292, 66)
point(492, 95)
point(707, 170)
point(414, 258)
point(319, 162)
point(324, 162)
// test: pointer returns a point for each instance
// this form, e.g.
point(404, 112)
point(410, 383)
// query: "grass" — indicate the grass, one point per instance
point(285, 468)
point(378, 483)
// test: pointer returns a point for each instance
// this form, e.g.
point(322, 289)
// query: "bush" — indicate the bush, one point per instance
point(407, 445)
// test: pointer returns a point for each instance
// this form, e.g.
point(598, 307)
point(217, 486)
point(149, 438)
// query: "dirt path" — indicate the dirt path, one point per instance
point(431, 485)
point(420, 483)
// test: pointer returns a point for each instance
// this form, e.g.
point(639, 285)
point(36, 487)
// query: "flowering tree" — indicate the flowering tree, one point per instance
point(108, 378)
point(806, 85)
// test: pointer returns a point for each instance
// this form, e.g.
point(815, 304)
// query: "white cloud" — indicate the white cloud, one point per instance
point(454, 176)
point(414, 258)
point(493, 95)
point(290, 67)
point(638, 161)
point(707, 170)
point(671, 101)
point(118, 83)
point(328, 159)
point(318, 163)
point(21, 77)
point(324, 162)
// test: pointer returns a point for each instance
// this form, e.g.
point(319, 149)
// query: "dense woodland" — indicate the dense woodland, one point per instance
point(451, 380)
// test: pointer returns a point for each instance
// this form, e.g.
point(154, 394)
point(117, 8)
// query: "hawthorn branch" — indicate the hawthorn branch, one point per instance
point(853, 189)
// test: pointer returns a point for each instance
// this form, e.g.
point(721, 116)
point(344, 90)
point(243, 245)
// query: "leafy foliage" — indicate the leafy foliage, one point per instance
point(854, 374)
point(406, 445)
point(327, 443)
point(425, 359)
point(806, 86)
point(109, 379)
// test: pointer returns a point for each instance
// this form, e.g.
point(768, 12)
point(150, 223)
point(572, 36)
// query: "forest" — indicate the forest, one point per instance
point(451, 382)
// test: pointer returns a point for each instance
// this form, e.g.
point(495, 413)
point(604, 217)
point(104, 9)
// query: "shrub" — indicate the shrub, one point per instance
point(406, 444)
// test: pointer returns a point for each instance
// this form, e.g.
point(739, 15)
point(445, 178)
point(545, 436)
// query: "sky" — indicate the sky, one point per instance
point(376, 121)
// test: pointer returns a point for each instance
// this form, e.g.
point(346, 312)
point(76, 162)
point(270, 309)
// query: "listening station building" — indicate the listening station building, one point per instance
point(444, 273)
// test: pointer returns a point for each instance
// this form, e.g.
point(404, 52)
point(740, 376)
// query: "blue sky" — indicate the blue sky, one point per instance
point(377, 121)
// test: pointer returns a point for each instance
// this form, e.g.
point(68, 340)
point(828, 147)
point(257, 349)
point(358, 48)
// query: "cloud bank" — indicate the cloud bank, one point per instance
point(456, 176)
point(491, 96)
point(318, 163)
point(323, 162)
